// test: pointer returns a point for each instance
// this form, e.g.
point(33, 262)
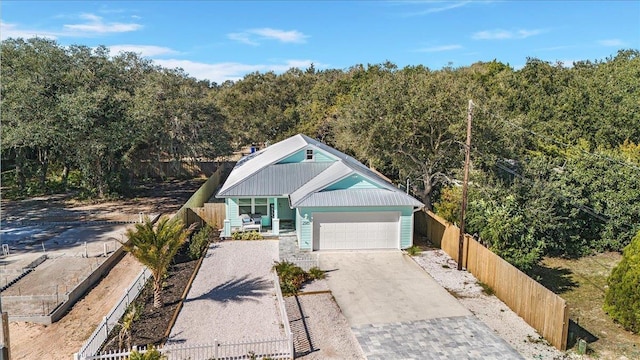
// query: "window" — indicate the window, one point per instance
point(309, 154)
point(253, 206)
point(244, 206)
point(260, 206)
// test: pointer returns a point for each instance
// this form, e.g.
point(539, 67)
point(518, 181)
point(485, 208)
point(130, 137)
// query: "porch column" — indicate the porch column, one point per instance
point(275, 222)
point(226, 229)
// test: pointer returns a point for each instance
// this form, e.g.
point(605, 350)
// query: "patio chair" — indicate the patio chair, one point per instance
point(249, 224)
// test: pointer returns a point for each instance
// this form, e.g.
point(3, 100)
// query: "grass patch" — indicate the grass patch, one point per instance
point(486, 289)
point(414, 250)
point(582, 283)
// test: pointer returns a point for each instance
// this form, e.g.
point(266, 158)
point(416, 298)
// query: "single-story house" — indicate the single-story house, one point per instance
point(328, 198)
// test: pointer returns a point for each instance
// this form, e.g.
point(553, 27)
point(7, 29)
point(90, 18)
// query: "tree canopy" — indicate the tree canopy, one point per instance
point(555, 149)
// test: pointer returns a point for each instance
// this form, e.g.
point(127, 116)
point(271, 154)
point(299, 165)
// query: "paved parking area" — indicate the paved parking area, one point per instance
point(397, 311)
point(460, 337)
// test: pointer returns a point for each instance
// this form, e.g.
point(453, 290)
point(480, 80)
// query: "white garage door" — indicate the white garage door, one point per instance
point(351, 230)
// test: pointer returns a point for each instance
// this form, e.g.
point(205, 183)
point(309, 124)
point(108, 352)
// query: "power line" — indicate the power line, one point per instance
point(586, 209)
point(557, 142)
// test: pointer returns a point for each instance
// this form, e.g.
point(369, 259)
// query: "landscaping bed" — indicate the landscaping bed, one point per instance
point(153, 324)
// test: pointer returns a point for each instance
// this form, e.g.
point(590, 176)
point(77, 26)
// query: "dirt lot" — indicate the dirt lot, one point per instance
point(34, 341)
point(582, 282)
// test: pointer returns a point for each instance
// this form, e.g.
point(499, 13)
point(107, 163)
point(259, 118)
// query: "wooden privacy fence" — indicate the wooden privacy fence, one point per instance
point(200, 197)
point(545, 311)
point(211, 213)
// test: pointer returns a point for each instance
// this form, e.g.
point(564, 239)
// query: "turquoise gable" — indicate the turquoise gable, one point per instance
point(301, 156)
point(353, 182)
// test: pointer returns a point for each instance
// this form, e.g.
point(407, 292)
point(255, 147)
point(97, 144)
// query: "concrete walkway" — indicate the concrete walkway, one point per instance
point(397, 311)
point(232, 297)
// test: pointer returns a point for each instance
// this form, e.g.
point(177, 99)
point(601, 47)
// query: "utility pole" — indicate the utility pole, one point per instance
point(465, 184)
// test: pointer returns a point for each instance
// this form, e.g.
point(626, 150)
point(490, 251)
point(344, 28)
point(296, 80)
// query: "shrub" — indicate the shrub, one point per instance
point(200, 241)
point(622, 300)
point(151, 354)
point(246, 235)
point(414, 250)
point(292, 276)
point(315, 273)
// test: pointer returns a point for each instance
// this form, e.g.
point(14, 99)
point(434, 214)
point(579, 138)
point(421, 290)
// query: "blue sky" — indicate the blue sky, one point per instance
point(224, 40)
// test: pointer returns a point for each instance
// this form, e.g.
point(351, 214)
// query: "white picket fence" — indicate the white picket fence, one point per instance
point(272, 349)
point(305, 262)
point(279, 348)
point(101, 334)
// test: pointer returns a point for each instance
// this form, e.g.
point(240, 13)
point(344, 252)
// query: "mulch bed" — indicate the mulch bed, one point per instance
point(150, 328)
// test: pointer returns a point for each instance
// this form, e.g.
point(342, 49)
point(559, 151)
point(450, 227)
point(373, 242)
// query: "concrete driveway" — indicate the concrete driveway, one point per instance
point(397, 311)
point(378, 287)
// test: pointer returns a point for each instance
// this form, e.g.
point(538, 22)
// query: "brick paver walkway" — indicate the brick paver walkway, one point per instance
point(460, 337)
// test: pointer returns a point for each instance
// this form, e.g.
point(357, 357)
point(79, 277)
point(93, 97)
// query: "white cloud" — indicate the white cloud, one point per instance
point(14, 31)
point(95, 24)
point(500, 34)
point(222, 72)
point(292, 36)
point(243, 38)
point(143, 50)
point(251, 36)
point(612, 43)
point(441, 6)
point(441, 48)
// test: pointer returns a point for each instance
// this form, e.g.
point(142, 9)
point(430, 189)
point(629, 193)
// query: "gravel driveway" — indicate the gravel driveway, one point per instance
point(232, 297)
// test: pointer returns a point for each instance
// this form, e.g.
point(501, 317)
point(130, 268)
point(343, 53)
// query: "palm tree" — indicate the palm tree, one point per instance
point(155, 247)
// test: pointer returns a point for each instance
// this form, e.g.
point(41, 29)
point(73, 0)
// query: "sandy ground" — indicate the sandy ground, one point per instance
point(320, 329)
point(493, 312)
point(62, 339)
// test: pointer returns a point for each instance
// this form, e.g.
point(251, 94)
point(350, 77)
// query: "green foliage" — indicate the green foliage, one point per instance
point(622, 299)
point(414, 250)
point(200, 241)
point(155, 246)
point(450, 203)
point(292, 276)
point(151, 354)
point(315, 273)
point(246, 235)
point(486, 289)
point(131, 315)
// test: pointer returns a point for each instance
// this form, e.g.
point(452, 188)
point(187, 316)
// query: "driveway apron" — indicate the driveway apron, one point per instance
point(397, 311)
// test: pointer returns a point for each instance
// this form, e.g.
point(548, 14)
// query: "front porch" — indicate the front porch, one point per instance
point(269, 215)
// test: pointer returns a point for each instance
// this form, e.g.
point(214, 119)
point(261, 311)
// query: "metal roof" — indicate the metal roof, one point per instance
point(259, 160)
point(337, 171)
point(278, 179)
point(358, 197)
point(258, 174)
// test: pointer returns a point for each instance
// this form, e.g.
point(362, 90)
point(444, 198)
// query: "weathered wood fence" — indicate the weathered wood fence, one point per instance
point(545, 311)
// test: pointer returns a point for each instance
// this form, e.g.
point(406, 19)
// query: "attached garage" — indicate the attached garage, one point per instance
point(356, 230)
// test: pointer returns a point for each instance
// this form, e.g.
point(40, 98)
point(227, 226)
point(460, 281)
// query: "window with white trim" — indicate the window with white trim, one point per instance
point(309, 154)
point(253, 206)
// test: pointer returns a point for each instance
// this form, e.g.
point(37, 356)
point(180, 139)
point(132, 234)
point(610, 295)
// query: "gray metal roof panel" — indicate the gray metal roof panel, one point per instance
point(359, 197)
point(278, 179)
point(333, 173)
point(259, 160)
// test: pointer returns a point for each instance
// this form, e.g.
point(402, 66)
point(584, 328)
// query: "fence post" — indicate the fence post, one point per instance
point(215, 349)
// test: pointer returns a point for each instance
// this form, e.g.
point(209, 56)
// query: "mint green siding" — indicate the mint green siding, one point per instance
point(320, 156)
point(353, 182)
point(304, 228)
point(300, 156)
point(232, 211)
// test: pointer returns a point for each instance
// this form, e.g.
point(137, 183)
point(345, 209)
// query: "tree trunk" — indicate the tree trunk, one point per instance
point(43, 158)
point(65, 176)
point(22, 181)
point(157, 293)
point(426, 193)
